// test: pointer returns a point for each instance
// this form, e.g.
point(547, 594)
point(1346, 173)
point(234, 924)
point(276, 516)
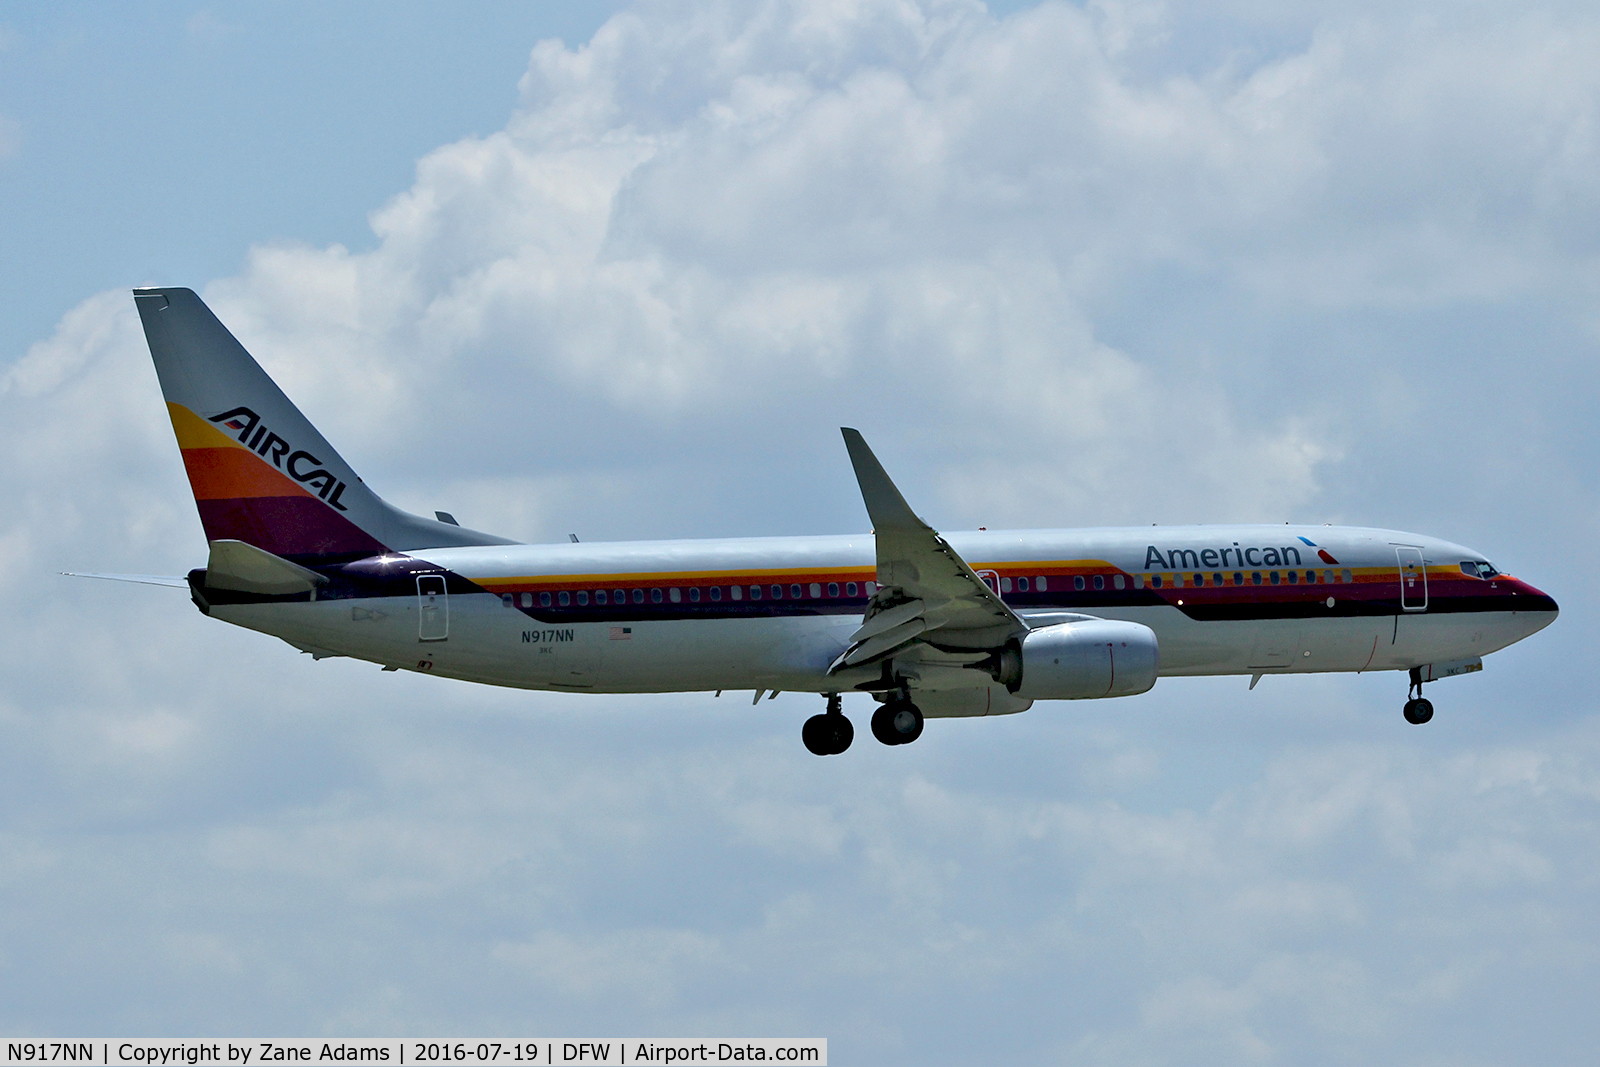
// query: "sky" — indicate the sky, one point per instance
point(622, 270)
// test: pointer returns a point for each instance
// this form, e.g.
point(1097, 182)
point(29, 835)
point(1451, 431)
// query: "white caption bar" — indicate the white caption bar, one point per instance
point(591, 1052)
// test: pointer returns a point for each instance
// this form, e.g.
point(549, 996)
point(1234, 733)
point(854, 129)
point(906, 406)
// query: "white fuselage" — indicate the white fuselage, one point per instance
point(1221, 600)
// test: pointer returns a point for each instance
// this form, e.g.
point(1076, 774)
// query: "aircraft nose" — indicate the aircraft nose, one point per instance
point(1530, 599)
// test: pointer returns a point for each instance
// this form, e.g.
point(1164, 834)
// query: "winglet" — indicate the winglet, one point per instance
point(885, 506)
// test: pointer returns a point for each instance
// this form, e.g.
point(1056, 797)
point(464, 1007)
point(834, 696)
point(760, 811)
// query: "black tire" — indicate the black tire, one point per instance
point(841, 732)
point(883, 724)
point(897, 723)
point(907, 722)
point(817, 736)
point(1418, 711)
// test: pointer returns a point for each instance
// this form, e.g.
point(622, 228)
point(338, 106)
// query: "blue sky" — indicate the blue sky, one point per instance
point(1066, 265)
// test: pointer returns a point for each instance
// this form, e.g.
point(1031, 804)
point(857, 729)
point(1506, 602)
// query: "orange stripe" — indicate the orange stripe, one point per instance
point(232, 473)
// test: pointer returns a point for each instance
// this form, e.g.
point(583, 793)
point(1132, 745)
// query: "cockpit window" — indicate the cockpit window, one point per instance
point(1478, 569)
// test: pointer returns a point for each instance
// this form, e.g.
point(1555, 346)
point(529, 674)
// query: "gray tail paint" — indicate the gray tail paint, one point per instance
point(261, 473)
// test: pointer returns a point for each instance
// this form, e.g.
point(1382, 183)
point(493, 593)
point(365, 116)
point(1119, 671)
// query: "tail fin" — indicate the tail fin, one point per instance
point(261, 473)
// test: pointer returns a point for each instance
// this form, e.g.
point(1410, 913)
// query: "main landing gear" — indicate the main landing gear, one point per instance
point(1418, 709)
point(830, 733)
point(897, 723)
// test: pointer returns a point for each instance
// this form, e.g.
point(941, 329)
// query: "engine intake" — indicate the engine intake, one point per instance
point(1082, 661)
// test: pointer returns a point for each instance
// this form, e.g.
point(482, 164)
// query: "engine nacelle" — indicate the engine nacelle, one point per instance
point(1082, 661)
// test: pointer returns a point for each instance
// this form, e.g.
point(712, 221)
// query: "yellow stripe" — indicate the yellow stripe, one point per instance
point(721, 577)
point(725, 577)
point(195, 432)
point(1027, 569)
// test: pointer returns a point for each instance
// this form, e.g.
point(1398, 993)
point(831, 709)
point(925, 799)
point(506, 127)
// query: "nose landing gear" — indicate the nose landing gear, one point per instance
point(1418, 709)
point(830, 733)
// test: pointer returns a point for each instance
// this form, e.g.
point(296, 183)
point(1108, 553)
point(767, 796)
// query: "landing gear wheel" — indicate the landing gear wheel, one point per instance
point(1418, 711)
point(828, 734)
point(897, 723)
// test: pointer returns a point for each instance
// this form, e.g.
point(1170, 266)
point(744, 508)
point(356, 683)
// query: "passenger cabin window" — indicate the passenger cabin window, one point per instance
point(1255, 577)
point(564, 598)
point(527, 600)
point(583, 597)
point(1005, 585)
point(1199, 579)
point(1294, 578)
point(716, 592)
point(694, 595)
point(505, 600)
point(1022, 585)
point(1327, 577)
point(1274, 577)
point(544, 600)
point(833, 589)
point(1099, 581)
point(619, 596)
point(794, 592)
point(1119, 581)
point(755, 592)
point(1042, 584)
point(816, 590)
point(868, 588)
point(599, 596)
point(1155, 581)
point(1077, 582)
point(638, 596)
point(1216, 579)
point(655, 596)
point(1177, 581)
point(675, 595)
point(1348, 577)
point(734, 591)
point(849, 588)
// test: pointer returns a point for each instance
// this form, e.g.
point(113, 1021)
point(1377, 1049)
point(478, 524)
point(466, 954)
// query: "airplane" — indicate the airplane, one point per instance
point(930, 625)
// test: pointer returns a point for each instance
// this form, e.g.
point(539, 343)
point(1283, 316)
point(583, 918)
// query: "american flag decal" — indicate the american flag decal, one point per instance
point(622, 633)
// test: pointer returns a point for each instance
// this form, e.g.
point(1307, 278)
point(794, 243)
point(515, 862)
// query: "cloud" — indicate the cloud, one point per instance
point(1075, 265)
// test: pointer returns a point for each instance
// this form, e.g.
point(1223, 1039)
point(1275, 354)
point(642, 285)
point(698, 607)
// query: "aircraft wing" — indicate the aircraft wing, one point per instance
point(926, 592)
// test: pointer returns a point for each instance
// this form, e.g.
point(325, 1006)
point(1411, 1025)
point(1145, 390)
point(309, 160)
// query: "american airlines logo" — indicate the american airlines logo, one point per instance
point(298, 464)
point(1179, 559)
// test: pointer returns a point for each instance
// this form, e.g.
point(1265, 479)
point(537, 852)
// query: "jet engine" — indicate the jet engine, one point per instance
point(1081, 660)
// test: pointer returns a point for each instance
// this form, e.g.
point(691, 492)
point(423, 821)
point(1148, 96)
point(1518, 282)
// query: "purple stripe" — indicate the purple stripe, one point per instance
point(289, 526)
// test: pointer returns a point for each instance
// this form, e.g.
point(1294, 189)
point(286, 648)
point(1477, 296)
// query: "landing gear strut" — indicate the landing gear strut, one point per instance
point(1418, 709)
point(898, 722)
point(830, 733)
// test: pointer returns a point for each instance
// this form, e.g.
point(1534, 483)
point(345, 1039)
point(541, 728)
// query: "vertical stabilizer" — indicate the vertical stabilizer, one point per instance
point(261, 473)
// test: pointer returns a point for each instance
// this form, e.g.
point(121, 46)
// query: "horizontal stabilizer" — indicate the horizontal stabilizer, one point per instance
point(245, 568)
point(137, 579)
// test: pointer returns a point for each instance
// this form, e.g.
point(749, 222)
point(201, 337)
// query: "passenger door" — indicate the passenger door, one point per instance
point(433, 608)
point(1413, 578)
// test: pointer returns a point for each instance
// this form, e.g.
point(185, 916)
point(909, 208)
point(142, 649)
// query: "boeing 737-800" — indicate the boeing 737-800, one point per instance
point(930, 625)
